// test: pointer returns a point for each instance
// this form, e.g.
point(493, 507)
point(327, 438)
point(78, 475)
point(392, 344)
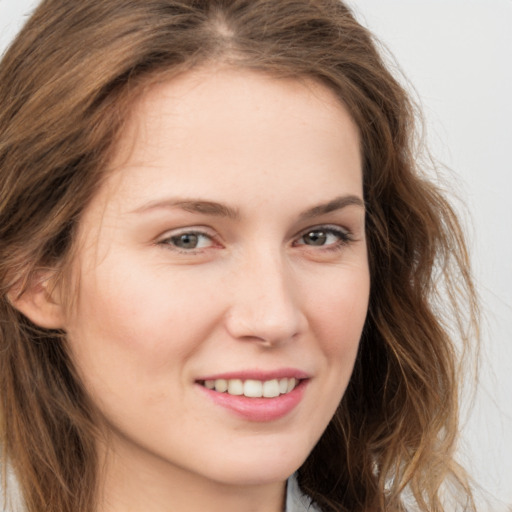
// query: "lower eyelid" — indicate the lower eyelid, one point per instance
point(170, 239)
point(344, 236)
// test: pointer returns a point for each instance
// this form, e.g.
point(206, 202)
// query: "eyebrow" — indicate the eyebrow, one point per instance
point(337, 203)
point(193, 206)
point(222, 210)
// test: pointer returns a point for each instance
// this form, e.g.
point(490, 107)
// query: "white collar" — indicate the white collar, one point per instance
point(296, 500)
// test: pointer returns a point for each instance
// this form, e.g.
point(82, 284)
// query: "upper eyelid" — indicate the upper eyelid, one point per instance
point(327, 227)
point(166, 240)
point(197, 230)
point(215, 237)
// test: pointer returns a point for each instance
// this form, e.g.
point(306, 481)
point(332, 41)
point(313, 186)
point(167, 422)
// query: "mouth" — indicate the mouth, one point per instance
point(256, 400)
point(252, 388)
point(257, 395)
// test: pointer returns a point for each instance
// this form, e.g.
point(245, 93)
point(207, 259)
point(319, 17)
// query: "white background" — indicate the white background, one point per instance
point(458, 55)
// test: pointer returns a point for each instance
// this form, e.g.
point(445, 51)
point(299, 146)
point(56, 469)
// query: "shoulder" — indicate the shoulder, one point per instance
point(296, 500)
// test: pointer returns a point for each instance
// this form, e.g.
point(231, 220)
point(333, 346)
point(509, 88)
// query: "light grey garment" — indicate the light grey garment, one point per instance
point(296, 500)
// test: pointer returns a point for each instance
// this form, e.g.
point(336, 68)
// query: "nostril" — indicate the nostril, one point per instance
point(266, 324)
point(264, 306)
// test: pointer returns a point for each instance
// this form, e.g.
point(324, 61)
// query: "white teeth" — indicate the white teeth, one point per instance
point(253, 388)
point(271, 388)
point(221, 385)
point(235, 387)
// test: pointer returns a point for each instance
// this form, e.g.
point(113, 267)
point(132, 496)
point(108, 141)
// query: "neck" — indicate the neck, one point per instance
point(146, 482)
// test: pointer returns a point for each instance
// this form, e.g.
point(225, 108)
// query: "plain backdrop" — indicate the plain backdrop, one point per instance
point(458, 56)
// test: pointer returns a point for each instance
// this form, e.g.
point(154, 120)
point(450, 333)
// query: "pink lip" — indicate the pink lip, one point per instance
point(263, 375)
point(258, 409)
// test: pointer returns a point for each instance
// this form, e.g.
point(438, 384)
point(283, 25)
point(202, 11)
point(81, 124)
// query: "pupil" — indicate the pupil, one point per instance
point(187, 241)
point(315, 238)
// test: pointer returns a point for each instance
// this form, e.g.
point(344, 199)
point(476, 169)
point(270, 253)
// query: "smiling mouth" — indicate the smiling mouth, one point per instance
point(252, 388)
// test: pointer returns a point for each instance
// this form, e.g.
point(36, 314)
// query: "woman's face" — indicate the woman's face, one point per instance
point(226, 248)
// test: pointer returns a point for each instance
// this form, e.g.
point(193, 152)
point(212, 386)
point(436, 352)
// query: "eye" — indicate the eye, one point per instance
point(324, 236)
point(189, 241)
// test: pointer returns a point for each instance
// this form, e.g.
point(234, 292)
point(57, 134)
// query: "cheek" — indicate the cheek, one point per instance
point(136, 319)
point(340, 312)
point(131, 337)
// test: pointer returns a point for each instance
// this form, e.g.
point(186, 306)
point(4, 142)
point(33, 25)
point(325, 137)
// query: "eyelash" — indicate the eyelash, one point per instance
point(344, 238)
point(169, 242)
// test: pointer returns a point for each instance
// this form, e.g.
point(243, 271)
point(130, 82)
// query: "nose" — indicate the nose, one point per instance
point(265, 303)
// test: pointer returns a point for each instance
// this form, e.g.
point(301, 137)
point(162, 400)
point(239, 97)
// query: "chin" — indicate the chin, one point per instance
point(260, 466)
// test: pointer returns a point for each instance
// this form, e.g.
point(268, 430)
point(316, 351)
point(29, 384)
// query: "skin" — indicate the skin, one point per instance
point(151, 318)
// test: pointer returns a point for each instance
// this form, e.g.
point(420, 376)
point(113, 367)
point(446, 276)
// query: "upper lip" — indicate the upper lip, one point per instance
point(262, 375)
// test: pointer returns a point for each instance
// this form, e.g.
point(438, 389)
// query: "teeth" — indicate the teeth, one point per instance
point(235, 387)
point(271, 388)
point(221, 385)
point(253, 388)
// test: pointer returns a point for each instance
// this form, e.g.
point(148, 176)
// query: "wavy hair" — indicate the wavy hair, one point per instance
point(66, 85)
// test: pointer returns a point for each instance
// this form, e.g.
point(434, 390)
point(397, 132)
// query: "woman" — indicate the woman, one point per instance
point(221, 266)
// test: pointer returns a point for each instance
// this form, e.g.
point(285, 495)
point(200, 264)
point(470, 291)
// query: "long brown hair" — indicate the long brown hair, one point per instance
point(66, 86)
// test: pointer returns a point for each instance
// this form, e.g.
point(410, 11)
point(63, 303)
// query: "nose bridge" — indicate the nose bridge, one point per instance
point(265, 305)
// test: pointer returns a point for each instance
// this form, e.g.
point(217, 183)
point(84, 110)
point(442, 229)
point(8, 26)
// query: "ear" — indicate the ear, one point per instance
point(40, 301)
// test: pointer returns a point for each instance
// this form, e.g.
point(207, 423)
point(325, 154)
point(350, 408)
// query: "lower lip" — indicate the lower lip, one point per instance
point(259, 409)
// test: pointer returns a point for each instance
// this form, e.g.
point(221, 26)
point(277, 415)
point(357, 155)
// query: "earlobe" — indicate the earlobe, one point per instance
point(39, 302)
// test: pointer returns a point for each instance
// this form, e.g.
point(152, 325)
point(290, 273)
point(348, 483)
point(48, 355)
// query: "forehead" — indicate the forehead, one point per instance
point(228, 107)
point(207, 131)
